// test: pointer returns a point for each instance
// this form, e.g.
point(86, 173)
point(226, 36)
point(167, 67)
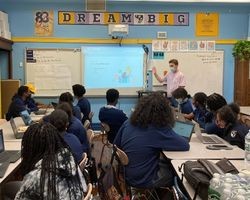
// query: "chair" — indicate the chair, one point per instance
point(86, 124)
point(90, 136)
point(89, 193)
point(83, 162)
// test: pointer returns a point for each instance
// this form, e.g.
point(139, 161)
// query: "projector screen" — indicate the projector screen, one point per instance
point(117, 67)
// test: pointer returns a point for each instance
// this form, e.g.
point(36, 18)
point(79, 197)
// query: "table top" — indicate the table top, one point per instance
point(199, 151)
point(245, 110)
point(11, 145)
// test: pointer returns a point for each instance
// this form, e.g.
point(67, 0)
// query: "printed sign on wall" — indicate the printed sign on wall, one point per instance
point(44, 23)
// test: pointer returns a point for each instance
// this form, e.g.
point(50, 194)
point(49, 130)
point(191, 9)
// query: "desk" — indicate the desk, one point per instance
point(239, 164)
point(11, 145)
point(8, 133)
point(199, 151)
point(245, 110)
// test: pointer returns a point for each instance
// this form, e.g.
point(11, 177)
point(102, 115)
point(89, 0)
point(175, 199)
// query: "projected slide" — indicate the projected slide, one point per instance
point(113, 67)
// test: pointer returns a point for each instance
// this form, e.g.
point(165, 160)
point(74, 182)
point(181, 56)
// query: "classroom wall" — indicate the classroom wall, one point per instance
point(234, 24)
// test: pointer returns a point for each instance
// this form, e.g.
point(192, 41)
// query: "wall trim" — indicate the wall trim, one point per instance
point(102, 41)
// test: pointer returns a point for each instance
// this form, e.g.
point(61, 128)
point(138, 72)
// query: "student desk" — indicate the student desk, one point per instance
point(199, 151)
point(11, 145)
point(245, 110)
point(239, 164)
point(8, 133)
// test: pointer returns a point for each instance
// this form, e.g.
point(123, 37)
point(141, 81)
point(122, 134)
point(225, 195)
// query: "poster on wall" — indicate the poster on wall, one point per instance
point(207, 24)
point(44, 23)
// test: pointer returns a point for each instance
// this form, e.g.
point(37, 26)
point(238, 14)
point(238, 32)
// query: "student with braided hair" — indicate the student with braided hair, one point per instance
point(49, 169)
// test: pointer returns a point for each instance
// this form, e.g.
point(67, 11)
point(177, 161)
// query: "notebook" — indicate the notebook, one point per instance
point(6, 157)
point(211, 139)
point(26, 117)
point(184, 129)
point(18, 132)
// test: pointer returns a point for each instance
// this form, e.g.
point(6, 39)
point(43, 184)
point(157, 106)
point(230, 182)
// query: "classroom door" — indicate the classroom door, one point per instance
point(242, 82)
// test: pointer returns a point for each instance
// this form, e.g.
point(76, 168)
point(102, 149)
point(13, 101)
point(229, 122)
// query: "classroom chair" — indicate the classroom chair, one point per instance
point(88, 195)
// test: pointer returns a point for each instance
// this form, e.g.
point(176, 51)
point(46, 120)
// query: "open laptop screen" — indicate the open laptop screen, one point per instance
point(26, 117)
point(1, 141)
point(184, 129)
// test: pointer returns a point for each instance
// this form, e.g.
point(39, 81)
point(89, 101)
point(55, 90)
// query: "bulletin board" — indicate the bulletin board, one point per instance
point(203, 71)
point(53, 71)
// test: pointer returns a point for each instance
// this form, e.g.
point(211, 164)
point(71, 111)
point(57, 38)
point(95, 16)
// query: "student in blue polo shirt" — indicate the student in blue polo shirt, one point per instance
point(184, 100)
point(18, 102)
point(60, 120)
point(75, 126)
point(234, 131)
point(82, 102)
point(200, 111)
point(144, 136)
point(68, 98)
point(111, 115)
point(214, 102)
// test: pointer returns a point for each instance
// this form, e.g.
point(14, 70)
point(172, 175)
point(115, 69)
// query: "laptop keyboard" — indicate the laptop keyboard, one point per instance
point(10, 156)
point(211, 139)
point(3, 168)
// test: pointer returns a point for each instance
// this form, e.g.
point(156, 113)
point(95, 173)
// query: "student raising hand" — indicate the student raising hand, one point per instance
point(154, 70)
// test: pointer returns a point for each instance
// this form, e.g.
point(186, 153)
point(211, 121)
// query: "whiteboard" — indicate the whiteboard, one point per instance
point(53, 71)
point(203, 71)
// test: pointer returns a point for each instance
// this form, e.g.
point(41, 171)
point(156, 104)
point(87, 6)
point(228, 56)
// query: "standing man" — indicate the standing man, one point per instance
point(174, 79)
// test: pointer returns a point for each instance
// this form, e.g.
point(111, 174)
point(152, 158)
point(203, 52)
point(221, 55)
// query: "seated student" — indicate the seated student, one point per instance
point(48, 168)
point(144, 136)
point(68, 98)
point(184, 100)
point(199, 113)
point(234, 131)
point(18, 102)
point(214, 102)
point(30, 102)
point(82, 102)
point(60, 120)
point(75, 126)
point(112, 116)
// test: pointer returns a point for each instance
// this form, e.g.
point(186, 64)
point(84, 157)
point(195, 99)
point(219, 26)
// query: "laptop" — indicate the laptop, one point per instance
point(18, 132)
point(26, 117)
point(6, 157)
point(41, 111)
point(184, 129)
point(211, 139)
point(54, 104)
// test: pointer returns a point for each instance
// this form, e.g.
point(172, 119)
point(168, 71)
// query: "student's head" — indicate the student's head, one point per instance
point(40, 141)
point(173, 64)
point(112, 96)
point(78, 90)
point(180, 94)
point(66, 108)
point(66, 97)
point(153, 109)
point(235, 108)
point(23, 91)
point(59, 119)
point(215, 101)
point(199, 99)
point(225, 116)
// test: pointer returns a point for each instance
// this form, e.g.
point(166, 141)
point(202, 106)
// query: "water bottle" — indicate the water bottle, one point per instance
point(247, 150)
point(214, 189)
